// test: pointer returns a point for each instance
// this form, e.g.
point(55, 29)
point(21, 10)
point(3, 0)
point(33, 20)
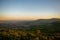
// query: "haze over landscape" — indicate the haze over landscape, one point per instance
point(29, 19)
point(28, 9)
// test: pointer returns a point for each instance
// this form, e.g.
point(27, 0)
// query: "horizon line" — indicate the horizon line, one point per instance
point(31, 19)
point(27, 17)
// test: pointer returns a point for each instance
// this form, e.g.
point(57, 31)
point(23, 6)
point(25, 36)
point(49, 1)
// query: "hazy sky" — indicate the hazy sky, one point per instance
point(29, 8)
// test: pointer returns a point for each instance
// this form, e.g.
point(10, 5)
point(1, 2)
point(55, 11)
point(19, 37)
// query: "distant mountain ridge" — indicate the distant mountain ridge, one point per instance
point(38, 21)
point(44, 21)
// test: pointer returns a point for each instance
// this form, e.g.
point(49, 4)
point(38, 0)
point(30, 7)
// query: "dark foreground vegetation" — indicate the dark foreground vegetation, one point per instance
point(6, 34)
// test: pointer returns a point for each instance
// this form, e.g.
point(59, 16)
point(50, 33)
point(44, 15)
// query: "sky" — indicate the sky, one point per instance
point(29, 9)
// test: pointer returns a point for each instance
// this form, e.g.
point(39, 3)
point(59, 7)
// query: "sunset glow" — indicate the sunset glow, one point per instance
point(28, 18)
point(29, 9)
